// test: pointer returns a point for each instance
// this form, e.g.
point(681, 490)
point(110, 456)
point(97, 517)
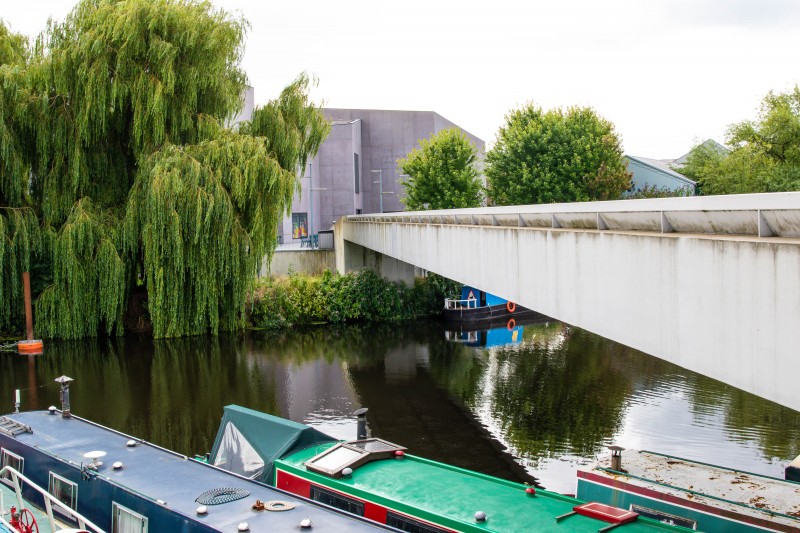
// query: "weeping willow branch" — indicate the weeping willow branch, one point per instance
point(20, 241)
point(111, 136)
point(115, 81)
point(206, 215)
point(89, 276)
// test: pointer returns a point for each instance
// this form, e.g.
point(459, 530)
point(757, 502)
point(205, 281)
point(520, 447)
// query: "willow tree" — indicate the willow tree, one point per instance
point(20, 238)
point(134, 176)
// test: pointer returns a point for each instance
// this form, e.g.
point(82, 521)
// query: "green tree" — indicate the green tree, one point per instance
point(765, 155)
point(117, 136)
point(442, 173)
point(20, 238)
point(555, 156)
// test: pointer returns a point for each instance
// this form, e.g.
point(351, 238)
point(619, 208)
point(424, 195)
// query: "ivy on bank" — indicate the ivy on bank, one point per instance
point(356, 296)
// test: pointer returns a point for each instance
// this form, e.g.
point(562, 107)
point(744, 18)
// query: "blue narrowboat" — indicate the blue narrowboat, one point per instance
point(123, 484)
point(477, 306)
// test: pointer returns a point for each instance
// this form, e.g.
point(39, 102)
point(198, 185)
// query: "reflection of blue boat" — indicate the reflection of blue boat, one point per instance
point(476, 305)
point(509, 335)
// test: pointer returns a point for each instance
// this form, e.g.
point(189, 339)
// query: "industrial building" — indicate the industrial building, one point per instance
point(356, 169)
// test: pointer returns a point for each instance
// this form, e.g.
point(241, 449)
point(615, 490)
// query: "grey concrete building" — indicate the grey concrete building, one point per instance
point(362, 149)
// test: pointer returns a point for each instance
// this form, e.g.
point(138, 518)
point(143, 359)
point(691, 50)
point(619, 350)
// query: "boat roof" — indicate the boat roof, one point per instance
point(451, 496)
point(160, 474)
point(733, 490)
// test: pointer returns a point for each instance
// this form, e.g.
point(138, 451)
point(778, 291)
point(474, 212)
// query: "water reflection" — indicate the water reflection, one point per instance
point(552, 398)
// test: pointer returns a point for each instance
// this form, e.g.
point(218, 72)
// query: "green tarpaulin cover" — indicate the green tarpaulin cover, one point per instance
point(249, 441)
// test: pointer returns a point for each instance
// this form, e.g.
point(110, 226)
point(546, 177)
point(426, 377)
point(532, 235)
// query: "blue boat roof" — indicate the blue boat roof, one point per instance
point(160, 474)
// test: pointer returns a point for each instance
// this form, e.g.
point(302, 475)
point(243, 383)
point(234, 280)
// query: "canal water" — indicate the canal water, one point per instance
point(539, 400)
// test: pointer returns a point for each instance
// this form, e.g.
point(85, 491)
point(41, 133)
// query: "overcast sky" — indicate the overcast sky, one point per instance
point(666, 72)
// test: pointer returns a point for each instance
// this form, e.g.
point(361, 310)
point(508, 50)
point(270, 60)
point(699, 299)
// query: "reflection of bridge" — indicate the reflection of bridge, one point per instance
point(709, 283)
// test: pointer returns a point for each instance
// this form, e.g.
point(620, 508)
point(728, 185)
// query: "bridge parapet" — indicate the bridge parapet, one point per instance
point(757, 215)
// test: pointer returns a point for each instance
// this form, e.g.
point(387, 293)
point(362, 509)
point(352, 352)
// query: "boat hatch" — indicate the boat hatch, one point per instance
point(333, 461)
point(601, 511)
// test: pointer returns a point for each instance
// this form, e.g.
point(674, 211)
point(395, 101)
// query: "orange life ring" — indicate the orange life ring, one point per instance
point(511, 306)
point(511, 325)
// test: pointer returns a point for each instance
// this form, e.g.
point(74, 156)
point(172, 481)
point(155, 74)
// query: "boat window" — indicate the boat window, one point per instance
point(339, 501)
point(123, 520)
point(404, 523)
point(64, 491)
point(665, 518)
point(9, 458)
point(237, 455)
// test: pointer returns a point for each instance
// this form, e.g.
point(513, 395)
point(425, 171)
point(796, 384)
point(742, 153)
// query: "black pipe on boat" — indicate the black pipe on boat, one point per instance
point(64, 382)
point(361, 428)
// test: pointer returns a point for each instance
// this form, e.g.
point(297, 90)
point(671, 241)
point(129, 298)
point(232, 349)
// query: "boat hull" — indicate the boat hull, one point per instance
point(488, 315)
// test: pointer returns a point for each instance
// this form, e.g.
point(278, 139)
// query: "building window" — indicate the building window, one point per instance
point(339, 501)
point(123, 520)
point(299, 225)
point(64, 490)
point(357, 172)
point(358, 211)
point(14, 461)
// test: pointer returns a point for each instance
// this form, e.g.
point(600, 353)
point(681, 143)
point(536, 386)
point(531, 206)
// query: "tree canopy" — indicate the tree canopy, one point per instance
point(118, 174)
point(765, 155)
point(442, 173)
point(570, 155)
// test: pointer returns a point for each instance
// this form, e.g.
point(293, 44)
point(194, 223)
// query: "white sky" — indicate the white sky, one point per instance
point(667, 72)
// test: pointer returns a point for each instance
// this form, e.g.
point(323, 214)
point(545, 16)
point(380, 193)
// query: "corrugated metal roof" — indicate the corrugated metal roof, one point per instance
point(661, 166)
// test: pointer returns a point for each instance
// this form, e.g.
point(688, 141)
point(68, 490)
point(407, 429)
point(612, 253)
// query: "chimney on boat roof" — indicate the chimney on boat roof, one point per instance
point(361, 428)
point(64, 382)
point(616, 457)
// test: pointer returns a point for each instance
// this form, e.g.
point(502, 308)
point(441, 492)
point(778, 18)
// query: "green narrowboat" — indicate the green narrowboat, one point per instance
point(378, 480)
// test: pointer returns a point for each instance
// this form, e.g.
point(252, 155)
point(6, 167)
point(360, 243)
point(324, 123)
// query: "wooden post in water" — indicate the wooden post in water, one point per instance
point(29, 346)
point(26, 289)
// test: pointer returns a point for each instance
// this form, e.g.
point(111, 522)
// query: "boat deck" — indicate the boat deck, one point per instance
point(9, 497)
point(165, 476)
point(733, 490)
point(430, 490)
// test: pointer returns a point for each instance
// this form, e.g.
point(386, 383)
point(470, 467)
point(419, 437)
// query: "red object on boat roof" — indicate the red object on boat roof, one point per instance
point(606, 513)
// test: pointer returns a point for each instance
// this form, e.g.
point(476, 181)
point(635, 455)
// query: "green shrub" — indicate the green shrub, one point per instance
point(357, 296)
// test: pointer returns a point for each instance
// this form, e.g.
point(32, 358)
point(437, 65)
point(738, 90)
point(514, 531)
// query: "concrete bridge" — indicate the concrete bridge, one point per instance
point(709, 283)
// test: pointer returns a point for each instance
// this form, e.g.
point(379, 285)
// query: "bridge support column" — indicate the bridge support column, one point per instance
point(351, 257)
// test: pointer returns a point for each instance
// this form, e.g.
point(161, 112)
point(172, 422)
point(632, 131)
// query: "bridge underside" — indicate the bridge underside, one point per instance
point(725, 306)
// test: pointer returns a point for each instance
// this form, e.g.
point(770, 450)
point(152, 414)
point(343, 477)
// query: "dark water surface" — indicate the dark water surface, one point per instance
point(541, 407)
